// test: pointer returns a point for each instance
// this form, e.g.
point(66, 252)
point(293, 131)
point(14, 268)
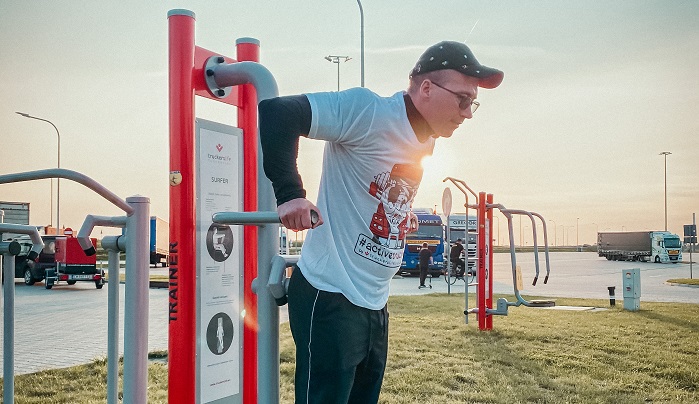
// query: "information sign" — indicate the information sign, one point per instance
point(219, 264)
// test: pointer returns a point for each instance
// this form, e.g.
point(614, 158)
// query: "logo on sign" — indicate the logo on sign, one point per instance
point(219, 147)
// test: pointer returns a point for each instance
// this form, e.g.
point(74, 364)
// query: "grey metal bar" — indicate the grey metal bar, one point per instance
point(111, 244)
point(31, 231)
point(265, 85)
point(461, 185)
point(520, 300)
point(8, 251)
point(546, 247)
point(513, 257)
point(243, 218)
point(136, 301)
point(233, 74)
point(278, 283)
point(69, 175)
point(8, 345)
point(113, 327)
point(90, 222)
point(536, 245)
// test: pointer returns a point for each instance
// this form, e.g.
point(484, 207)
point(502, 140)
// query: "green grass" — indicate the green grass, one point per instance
point(530, 356)
point(684, 281)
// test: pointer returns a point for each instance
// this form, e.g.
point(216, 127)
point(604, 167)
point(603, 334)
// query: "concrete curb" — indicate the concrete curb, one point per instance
point(681, 285)
point(153, 284)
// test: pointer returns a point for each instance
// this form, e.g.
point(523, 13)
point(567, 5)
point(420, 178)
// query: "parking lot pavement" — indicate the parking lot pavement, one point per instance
point(575, 275)
point(67, 325)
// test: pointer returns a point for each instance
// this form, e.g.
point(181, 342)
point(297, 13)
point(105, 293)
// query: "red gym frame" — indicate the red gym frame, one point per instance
point(484, 298)
point(186, 80)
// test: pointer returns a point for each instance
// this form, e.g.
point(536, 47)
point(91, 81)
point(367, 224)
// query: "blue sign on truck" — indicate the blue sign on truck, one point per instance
point(159, 241)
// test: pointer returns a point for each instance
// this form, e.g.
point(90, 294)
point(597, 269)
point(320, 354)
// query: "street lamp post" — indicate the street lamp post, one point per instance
point(58, 180)
point(361, 16)
point(336, 59)
point(563, 229)
point(597, 231)
point(498, 227)
point(665, 154)
point(554, 232)
point(568, 232)
point(520, 231)
point(577, 232)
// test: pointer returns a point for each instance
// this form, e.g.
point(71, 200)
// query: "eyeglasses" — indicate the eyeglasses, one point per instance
point(464, 101)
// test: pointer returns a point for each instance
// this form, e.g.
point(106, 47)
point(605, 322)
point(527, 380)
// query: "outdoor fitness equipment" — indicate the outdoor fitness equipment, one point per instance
point(137, 223)
point(484, 280)
point(195, 71)
point(8, 251)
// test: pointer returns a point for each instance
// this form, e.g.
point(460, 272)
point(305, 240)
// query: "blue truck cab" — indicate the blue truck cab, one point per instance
point(430, 231)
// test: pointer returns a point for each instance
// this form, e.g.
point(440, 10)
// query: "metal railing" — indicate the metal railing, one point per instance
point(137, 224)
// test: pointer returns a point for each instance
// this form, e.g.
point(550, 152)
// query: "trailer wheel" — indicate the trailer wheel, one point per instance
point(48, 285)
point(98, 284)
point(71, 282)
point(657, 259)
point(28, 278)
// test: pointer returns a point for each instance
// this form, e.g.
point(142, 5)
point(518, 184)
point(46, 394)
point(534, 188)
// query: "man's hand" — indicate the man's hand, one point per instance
point(412, 222)
point(296, 214)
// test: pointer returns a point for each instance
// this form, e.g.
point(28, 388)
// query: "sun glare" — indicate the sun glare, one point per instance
point(427, 163)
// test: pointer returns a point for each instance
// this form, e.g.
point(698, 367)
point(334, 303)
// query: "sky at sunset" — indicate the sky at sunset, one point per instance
point(593, 92)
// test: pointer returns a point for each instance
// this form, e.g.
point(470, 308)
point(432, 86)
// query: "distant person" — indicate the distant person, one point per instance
point(455, 258)
point(370, 173)
point(425, 259)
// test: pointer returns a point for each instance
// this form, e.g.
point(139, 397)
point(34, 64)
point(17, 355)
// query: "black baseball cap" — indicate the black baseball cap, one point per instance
point(457, 56)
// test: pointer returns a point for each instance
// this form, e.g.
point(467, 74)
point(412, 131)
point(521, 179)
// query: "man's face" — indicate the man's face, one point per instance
point(443, 113)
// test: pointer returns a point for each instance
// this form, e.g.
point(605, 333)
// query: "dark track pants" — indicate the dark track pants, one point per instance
point(423, 274)
point(340, 348)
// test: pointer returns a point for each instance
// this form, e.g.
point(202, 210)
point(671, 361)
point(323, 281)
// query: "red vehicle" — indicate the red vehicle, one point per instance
point(62, 260)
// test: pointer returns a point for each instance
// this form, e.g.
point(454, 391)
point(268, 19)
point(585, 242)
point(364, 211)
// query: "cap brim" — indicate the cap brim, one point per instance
point(489, 77)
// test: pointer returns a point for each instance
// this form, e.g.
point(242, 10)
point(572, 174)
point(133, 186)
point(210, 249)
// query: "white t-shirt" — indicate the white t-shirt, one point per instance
point(371, 172)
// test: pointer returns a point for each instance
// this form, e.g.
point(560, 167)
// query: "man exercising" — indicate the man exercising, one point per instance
point(370, 173)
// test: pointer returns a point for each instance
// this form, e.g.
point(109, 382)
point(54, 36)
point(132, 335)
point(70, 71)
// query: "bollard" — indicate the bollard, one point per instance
point(612, 299)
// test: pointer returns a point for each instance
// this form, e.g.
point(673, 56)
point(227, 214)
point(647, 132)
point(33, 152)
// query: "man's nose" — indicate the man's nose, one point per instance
point(466, 113)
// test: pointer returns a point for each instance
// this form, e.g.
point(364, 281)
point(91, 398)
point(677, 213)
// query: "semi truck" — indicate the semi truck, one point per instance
point(658, 246)
point(430, 231)
point(15, 212)
point(458, 230)
point(159, 241)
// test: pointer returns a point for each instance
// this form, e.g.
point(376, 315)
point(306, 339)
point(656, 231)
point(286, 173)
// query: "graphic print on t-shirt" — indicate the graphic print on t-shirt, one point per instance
point(395, 191)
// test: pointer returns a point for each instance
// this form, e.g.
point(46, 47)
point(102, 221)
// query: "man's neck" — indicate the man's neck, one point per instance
point(422, 129)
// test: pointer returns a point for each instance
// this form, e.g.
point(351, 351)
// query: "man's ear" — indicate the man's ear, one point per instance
point(426, 88)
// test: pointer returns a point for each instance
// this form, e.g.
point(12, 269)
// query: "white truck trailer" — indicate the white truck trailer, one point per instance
point(658, 246)
point(457, 230)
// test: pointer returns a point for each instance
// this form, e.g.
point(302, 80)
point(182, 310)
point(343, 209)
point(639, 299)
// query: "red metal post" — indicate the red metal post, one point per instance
point(182, 302)
point(489, 257)
point(482, 256)
point(247, 120)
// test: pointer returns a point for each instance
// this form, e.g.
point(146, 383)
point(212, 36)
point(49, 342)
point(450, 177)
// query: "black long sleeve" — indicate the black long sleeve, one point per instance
point(282, 121)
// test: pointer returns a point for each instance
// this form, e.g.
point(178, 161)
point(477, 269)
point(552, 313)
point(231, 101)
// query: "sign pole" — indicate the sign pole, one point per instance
point(446, 210)
point(690, 238)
